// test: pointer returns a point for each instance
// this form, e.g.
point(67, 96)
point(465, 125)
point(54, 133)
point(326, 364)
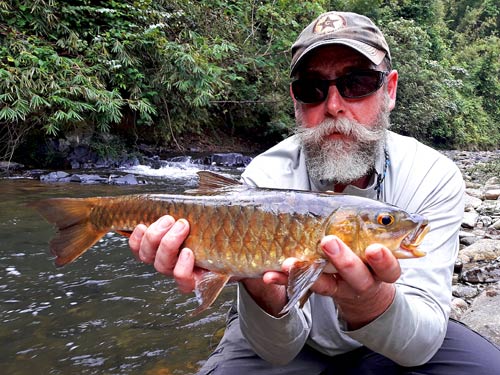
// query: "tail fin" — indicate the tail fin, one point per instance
point(75, 232)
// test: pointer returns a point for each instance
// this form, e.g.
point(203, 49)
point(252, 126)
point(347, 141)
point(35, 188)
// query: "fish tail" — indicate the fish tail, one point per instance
point(75, 231)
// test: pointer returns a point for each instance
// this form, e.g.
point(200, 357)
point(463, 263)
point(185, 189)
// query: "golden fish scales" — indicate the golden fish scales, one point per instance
point(263, 239)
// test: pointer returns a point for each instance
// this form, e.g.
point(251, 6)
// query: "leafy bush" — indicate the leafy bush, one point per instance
point(155, 70)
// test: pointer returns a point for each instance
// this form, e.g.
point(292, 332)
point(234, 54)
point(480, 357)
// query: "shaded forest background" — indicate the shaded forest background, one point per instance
point(116, 74)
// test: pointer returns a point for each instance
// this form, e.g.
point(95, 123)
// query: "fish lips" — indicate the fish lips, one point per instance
point(409, 245)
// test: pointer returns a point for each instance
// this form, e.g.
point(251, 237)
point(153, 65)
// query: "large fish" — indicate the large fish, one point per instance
point(241, 231)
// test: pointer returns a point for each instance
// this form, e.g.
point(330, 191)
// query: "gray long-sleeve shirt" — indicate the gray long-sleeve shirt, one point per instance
point(419, 180)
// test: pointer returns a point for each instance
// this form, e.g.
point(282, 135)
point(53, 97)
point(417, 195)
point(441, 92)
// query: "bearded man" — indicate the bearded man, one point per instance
point(381, 317)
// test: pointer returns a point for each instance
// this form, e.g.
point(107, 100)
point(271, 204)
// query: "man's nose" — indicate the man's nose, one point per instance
point(335, 103)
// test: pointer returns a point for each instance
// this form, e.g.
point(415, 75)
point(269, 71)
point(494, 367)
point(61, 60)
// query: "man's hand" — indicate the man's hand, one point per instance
point(159, 245)
point(362, 292)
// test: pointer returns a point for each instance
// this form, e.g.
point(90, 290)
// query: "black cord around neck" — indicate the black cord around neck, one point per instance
point(381, 177)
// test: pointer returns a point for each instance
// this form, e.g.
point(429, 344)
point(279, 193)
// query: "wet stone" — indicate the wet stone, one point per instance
point(87, 178)
point(230, 159)
point(128, 179)
point(58, 176)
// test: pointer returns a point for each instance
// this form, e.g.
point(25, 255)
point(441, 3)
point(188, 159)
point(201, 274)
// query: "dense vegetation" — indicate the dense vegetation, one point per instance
point(151, 71)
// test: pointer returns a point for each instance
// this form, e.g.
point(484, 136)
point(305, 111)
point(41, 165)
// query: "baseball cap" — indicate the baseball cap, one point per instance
point(345, 28)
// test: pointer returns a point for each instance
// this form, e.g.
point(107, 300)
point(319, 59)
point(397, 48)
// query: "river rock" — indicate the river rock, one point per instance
point(231, 159)
point(483, 316)
point(464, 291)
point(492, 182)
point(482, 250)
point(489, 208)
point(470, 219)
point(489, 273)
point(87, 178)
point(128, 179)
point(467, 238)
point(458, 308)
point(82, 156)
point(496, 225)
point(10, 166)
point(492, 194)
point(58, 176)
point(473, 199)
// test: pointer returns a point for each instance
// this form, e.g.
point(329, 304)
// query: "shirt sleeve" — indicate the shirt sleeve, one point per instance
point(276, 340)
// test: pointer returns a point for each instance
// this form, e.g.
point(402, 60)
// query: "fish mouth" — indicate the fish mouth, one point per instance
point(413, 240)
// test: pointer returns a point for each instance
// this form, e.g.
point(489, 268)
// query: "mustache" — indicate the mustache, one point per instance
point(350, 128)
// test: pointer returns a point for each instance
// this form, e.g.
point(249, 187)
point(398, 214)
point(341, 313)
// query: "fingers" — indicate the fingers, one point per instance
point(135, 239)
point(273, 277)
point(352, 271)
point(350, 267)
point(383, 264)
point(183, 271)
point(144, 240)
point(168, 248)
point(159, 245)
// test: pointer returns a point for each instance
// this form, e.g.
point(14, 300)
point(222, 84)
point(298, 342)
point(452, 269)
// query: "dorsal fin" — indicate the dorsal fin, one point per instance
point(210, 180)
point(211, 183)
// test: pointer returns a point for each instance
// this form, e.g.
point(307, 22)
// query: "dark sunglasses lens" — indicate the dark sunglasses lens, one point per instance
point(360, 84)
point(353, 85)
point(310, 90)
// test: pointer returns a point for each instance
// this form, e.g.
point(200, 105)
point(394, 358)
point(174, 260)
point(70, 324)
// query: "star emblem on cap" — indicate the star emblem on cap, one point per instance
point(329, 23)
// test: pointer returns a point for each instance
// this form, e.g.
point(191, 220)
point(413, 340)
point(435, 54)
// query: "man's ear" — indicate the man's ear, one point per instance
point(291, 93)
point(392, 87)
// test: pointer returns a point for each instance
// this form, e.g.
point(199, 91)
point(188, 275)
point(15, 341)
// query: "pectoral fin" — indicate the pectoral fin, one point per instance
point(125, 233)
point(301, 277)
point(208, 288)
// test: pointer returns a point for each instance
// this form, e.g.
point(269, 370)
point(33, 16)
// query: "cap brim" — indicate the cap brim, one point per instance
point(371, 53)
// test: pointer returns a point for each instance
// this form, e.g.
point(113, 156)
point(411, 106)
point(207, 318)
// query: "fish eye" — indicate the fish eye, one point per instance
point(385, 219)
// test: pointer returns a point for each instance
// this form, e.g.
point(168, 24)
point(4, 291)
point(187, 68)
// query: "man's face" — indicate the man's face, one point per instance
point(342, 137)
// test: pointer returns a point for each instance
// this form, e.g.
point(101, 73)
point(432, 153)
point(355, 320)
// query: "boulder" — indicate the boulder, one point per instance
point(483, 316)
point(231, 159)
point(482, 250)
point(489, 273)
point(470, 219)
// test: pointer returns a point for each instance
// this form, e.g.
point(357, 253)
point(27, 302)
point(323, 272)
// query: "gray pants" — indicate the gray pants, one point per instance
point(464, 352)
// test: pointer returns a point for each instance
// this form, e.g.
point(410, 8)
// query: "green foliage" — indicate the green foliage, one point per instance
point(154, 70)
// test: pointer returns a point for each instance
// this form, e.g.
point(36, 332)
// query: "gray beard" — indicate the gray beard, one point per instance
point(338, 161)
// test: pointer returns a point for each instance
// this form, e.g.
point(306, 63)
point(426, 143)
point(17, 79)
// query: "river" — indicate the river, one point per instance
point(106, 313)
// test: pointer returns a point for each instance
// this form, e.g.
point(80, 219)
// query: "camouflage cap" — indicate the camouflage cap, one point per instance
point(345, 28)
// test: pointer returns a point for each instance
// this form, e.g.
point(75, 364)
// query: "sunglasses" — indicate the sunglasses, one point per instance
point(353, 85)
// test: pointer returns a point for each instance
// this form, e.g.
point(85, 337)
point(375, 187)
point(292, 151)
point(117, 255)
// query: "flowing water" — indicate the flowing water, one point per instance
point(106, 313)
